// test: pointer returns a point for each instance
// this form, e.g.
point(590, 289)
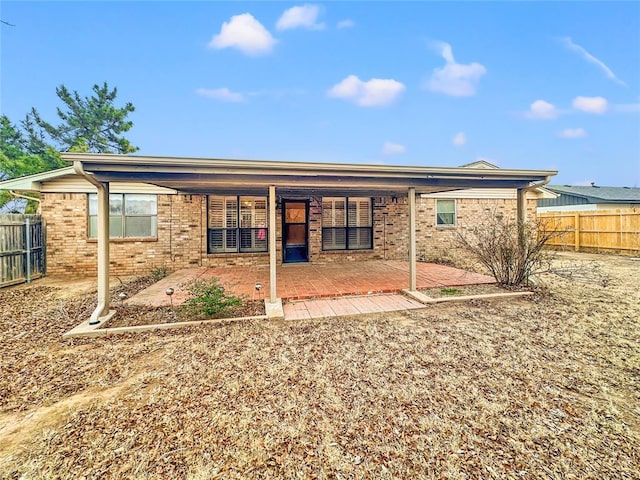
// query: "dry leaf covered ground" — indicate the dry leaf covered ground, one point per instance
point(544, 387)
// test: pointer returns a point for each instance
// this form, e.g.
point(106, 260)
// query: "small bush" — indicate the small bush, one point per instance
point(449, 291)
point(512, 252)
point(209, 297)
point(158, 273)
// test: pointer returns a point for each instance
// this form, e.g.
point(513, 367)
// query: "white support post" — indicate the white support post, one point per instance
point(102, 310)
point(521, 212)
point(412, 239)
point(272, 244)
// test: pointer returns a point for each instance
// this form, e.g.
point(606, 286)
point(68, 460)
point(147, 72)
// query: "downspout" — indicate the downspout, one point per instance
point(102, 310)
point(522, 192)
point(14, 194)
point(521, 209)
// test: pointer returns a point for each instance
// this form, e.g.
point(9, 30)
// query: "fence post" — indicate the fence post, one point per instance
point(27, 246)
point(576, 231)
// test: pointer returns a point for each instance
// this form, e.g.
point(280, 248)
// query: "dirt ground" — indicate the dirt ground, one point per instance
point(541, 387)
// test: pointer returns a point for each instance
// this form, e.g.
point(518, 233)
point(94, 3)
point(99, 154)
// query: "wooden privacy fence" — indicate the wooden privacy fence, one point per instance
point(22, 248)
point(595, 230)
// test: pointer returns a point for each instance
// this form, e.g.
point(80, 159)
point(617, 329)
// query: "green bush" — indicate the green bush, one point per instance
point(158, 273)
point(209, 297)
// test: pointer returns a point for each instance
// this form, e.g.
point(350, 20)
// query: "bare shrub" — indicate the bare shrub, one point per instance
point(510, 250)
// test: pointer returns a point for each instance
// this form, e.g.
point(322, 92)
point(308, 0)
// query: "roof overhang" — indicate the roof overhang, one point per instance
point(200, 175)
point(33, 183)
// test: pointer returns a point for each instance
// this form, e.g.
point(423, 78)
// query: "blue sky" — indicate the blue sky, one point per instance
point(522, 85)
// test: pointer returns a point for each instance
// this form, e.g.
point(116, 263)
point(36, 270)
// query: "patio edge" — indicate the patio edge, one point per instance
point(103, 332)
point(422, 298)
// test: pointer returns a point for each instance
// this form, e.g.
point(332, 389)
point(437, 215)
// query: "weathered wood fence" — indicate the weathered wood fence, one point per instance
point(22, 248)
point(596, 230)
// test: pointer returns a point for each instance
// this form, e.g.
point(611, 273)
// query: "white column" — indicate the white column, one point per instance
point(521, 212)
point(272, 243)
point(103, 255)
point(412, 239)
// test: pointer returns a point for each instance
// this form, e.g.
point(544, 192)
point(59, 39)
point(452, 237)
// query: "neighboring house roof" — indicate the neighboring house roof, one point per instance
point(197, 175)
point(596, 194)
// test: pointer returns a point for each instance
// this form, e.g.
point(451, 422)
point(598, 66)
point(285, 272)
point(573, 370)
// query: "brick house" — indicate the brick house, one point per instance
point(183, 212)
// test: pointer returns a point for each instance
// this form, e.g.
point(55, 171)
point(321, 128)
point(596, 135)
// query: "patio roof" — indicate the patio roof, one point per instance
point(202, 175)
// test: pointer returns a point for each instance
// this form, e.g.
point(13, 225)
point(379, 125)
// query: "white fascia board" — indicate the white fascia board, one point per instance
point(33, 183)
point(133, 163)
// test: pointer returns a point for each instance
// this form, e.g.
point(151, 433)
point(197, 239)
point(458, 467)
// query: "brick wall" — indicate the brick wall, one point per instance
point(182, 234)
point(434, 242)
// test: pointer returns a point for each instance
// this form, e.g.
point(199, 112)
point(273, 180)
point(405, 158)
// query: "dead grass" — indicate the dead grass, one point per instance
point(542, 388)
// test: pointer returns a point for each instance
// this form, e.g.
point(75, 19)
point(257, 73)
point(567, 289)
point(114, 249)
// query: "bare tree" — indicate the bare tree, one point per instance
point(510, 250)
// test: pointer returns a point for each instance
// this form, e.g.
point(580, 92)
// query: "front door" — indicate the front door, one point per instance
point(295, 237)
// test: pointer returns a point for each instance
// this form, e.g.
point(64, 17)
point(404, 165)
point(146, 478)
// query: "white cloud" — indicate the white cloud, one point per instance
point(373, 93)
point(305, 16)
point(455, 79)
point(590, 104)
point(459, 139)
point(346, 23)
point(571, 133)
point(568, 43)
point(223, 94)
point(246, 34)
point(389, 148)
point(542, 110)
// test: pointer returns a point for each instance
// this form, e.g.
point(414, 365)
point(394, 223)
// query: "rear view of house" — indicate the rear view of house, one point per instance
point(128, 214)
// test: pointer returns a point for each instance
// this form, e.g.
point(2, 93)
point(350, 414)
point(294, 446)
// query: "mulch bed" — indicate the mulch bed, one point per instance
point(440, 292)
point(134, 315)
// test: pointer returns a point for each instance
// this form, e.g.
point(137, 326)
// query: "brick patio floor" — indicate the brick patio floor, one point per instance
point(335, 307)
point(303, 281)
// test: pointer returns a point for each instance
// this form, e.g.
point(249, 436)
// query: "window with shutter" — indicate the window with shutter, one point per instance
point(237, 224)
point(347, 230)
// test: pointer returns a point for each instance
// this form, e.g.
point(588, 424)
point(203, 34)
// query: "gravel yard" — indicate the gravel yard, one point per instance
point(540, 387)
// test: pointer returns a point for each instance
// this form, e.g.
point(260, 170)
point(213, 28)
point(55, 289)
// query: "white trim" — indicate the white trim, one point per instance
point(412, 239)
point(490, 193)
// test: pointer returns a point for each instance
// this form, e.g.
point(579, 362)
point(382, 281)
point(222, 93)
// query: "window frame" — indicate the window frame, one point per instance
point(123, 218)
point(454, 213)
point(347, 228)
point(238, 230)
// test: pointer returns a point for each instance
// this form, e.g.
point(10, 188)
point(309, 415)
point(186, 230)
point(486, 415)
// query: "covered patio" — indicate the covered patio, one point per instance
point(305, 281)
point(276, 182)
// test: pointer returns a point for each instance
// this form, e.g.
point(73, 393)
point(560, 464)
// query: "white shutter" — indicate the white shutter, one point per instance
point(359, 212)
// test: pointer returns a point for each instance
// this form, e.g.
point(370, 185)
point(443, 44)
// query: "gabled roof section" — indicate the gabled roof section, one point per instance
point(33, 182)
point(479, 164)
point(597, 194)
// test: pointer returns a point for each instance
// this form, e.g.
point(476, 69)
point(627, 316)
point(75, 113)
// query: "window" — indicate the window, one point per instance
point(131, 215)
point(445, 212)
point(347, 223)
point(237, 224)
